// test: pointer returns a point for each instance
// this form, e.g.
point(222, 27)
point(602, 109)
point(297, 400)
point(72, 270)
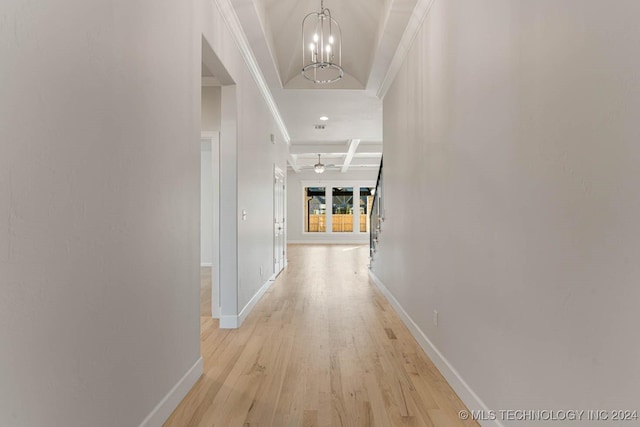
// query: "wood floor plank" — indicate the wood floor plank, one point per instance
point(322, 348)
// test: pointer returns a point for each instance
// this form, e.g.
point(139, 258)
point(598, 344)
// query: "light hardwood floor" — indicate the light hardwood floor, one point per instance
point(322, 348)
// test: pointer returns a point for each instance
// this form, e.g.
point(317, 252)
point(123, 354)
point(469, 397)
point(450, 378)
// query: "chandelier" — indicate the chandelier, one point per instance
point(321, 47)
point(319, 167)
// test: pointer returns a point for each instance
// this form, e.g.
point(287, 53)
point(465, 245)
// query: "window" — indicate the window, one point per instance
point(337, 207)
point(315, 210)
point(342, 210)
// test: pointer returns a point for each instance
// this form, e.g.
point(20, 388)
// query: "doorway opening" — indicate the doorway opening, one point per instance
point(209, 223)
point(219, 110)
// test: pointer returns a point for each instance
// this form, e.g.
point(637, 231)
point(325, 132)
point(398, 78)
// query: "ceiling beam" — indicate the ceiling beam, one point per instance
point(353, 146)
point(357, 161)
point(317, 148)
point(334, 148)
point(293, 163)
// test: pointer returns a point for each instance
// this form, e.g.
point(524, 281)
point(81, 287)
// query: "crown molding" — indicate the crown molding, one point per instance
point(420, 12)
point(233, 24)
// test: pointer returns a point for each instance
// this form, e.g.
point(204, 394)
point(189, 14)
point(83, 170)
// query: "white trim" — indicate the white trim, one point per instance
point(229, 322)
point(172, 399)
point(420, 12)
point(253, 301)
point(453, 377)
point(233, 23)
point(293, 163)
point(353, 146)
point(234, 322)
point(206, 264)
point(216, 312)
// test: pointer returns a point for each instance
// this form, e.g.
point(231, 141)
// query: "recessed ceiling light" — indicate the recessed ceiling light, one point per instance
point(324, 118)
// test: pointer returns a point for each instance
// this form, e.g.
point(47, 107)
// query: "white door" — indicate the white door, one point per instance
point(278, 220)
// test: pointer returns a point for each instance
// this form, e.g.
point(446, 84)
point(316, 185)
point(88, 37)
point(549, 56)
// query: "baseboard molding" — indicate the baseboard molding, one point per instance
point(252, 303)
point(170, 402)
point(229, 322)
point(234, 322)
point(206, 264)
point(459, 385)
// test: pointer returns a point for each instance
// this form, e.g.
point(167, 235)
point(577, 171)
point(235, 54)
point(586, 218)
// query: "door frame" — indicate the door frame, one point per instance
point(279, 219)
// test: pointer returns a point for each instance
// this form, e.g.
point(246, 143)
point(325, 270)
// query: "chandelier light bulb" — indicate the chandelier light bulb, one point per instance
point(319, 167)
point(321, 47)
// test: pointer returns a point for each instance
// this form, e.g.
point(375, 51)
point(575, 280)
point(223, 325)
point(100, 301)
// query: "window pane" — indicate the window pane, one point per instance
point(315, 210)
point(342, 210)
point(366, 201)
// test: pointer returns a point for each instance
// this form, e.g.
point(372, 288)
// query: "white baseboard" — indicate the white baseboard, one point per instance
point(252, 303)
point(459, 385)
point(234, 322)
point(229, 322)
point(206, 264)
point(170, 402)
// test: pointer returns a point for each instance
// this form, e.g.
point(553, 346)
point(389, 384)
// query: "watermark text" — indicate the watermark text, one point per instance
point(550, 415)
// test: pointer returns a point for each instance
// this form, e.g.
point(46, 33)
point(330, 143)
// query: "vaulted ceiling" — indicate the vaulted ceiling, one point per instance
point(359, 20)
point(372, 31)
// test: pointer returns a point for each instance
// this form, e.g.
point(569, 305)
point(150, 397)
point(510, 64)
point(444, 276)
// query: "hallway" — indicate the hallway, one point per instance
point(323, 347)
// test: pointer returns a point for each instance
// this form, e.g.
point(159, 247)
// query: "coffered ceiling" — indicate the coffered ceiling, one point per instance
point(372, 31)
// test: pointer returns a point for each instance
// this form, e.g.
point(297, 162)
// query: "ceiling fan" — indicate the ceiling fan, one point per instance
point(319, 167)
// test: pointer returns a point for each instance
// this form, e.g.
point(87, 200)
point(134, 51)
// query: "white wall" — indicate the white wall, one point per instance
point(99, 197)
point(295, 204)
point(249, 243)
point(99, 206)
point(206, 205)
point(211, 108)
point(256, 158)
point(516, 124)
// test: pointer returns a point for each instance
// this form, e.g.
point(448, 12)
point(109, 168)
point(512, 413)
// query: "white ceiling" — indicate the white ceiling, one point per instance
point(351, 113)
point(371, 33)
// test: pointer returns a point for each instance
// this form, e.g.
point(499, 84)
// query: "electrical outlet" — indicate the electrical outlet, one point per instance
point(435, 318)
point(260, 271)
